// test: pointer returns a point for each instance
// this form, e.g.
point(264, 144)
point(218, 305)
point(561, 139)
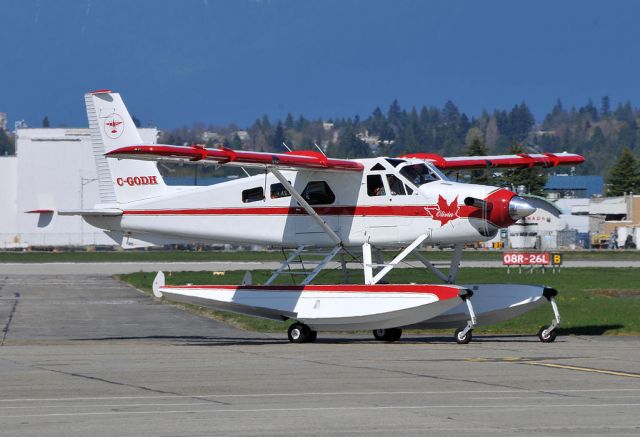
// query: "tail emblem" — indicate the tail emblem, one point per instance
point(113, 126)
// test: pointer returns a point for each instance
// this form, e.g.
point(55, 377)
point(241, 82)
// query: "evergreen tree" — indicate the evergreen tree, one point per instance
point(135, 120)
point(479, 176)
point(278, 138)
point(301, 123)
point(625, 113)
point(451, 114)
point(349, 145)
point(45, 122)
point(533, 179)
point(624, 177)
point(289, 123)
point(520, 122)
point(605, 107)
point(236, 142)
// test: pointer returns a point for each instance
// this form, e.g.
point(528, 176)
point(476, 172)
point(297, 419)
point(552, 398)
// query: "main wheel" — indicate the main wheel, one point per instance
point(379, 334)
point(547, 336)
point(389, 335)
point(298, 333)
point(313, 335)
point(463, 338)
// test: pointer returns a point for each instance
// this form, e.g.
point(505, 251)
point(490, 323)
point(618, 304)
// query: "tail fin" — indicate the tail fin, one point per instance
point(111, 126)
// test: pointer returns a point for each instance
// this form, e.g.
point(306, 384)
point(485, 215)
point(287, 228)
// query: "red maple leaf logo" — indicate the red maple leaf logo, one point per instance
point(444, 212)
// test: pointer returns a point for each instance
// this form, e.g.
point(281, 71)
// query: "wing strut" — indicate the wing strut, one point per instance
point(303, 203)
point(453, 268)
point(386, 268)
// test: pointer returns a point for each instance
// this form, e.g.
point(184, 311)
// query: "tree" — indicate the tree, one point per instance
point(532, 179)
point(135, 120)
point(45, 122)
point(288, 122)
point(605, 107)
point(349, 145)
point(624, 177)
point(521, 121)
point(492, 133)
point(479, 176)
point(451, 113)
point(278, 138)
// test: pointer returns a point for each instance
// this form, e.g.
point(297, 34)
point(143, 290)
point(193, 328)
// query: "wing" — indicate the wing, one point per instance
point(300, 159)
point(522, 160)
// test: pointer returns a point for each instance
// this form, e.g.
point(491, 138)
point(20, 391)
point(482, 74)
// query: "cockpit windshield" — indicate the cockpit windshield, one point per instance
point(420, 174)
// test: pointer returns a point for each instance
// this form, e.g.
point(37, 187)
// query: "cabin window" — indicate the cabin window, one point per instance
point(396, 187)
point(378, 166)
point(419, 174)
point(253, 195)
point(375, 187)
point(395, 161)
point(318, 193)
point(278, 190)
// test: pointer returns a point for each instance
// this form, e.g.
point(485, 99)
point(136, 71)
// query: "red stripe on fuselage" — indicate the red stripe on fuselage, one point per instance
point(405, 210)
point(441, 291)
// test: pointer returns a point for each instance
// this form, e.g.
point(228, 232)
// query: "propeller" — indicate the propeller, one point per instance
point(541, 203)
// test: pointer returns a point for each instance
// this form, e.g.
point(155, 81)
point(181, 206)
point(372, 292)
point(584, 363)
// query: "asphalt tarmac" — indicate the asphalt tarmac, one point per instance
point(86, 355)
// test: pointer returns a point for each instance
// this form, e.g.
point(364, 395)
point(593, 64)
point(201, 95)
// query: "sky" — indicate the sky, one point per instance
point(179, 62)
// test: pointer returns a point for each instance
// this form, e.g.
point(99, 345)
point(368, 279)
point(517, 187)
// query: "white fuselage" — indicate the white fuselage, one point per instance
point(256, 210)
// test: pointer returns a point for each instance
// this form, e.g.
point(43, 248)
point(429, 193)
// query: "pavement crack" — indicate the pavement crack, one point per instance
point(124, 384)
point(5, 330)
point(395, 371)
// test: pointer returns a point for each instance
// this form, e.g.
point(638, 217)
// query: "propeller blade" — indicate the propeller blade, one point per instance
point(542, 203)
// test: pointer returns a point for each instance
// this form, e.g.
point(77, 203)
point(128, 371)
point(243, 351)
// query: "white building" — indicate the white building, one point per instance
point(54, 169)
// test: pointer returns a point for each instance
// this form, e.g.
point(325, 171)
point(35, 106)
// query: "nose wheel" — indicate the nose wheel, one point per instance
point(463, 335)
point(301, 333)
point(547, 334)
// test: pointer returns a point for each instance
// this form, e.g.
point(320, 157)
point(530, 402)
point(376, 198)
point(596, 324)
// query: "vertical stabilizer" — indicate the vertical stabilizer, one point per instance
point(111, 126)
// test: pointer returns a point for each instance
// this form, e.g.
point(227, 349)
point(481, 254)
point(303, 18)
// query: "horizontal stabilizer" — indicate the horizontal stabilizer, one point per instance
point(105, 212)
point(299, 159)
point(40, 211)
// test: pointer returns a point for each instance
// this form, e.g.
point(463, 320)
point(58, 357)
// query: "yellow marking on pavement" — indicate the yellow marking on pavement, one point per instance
point(584, 369)
point(532, 362)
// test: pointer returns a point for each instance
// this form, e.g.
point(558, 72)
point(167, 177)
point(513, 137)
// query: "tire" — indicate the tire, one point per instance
point(463, 339)
point(379, 334)
point(389, 335)
point(313, 335)
point(547, 336)
point(298, 333)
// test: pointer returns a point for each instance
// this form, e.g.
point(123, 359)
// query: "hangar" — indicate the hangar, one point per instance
point(53, 168)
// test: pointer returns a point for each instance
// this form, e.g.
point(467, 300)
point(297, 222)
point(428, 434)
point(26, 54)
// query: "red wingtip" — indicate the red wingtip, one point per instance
point(99, 91)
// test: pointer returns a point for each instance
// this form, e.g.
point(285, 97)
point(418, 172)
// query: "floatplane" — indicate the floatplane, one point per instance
point(330, 209)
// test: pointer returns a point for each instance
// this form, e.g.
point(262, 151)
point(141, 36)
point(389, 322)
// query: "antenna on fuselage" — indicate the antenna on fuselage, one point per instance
point(318, 147)
point(286, 147)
